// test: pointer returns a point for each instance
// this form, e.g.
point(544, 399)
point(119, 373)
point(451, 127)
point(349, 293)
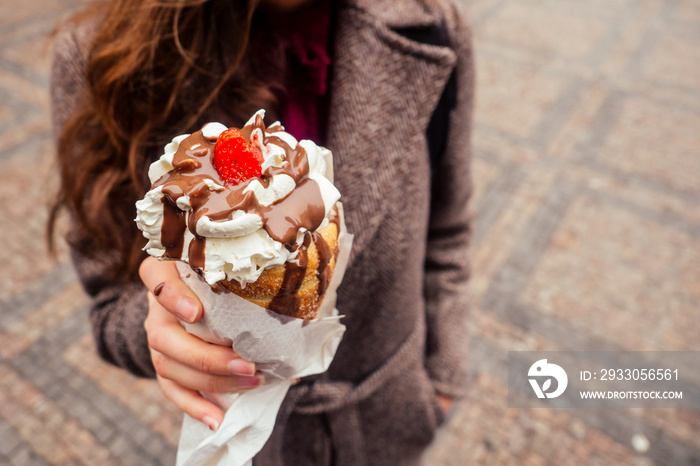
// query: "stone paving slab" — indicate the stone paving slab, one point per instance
point(587, 223)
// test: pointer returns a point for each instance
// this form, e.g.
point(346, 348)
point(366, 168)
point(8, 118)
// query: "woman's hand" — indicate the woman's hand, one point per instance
point(185, 364)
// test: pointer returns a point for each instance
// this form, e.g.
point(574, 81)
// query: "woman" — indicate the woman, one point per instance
point(387, 86)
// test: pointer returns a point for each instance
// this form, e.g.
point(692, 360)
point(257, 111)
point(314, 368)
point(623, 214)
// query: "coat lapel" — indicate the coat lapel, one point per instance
point(384, 89)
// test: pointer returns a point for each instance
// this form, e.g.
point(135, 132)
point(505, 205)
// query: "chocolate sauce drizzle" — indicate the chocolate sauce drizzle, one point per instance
point(301, 208)
point(287, 299)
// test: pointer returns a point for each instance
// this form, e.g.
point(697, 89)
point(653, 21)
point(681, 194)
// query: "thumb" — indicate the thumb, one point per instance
point(163, 281)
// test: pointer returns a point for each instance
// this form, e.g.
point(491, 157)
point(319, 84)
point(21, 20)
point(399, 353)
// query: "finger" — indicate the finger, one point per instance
point(163, 281)
point(192, 403)
point(167, 336)
point(195, 380)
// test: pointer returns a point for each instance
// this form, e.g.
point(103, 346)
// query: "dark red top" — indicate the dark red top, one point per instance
point(305, 37)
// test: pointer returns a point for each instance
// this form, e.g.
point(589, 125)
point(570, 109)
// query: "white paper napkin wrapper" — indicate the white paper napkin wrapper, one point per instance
point(284, 349)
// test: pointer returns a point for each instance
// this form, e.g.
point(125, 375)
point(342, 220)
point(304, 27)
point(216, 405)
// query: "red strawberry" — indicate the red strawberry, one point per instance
point(235, 159)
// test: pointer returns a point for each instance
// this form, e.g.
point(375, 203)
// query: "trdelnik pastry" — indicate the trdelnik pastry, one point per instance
point(252, 210)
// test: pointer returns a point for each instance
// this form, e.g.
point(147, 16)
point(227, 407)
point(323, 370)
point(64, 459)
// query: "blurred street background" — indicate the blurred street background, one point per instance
point(587, 172)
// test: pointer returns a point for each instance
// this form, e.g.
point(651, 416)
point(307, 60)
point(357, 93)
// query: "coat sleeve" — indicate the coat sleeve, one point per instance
point(447, 261)
point(118, 309)
point(117, 313)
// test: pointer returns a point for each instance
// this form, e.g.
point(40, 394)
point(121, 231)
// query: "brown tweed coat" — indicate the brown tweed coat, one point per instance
point(404, 293)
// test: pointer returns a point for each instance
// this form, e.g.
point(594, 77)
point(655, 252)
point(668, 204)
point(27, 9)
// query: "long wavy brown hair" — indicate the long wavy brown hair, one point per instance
point(155, 69)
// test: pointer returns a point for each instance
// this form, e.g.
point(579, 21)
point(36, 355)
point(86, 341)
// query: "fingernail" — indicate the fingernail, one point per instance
point(211, 422)
point(158, 289)
point(186, 309)
point(250, 382)
point(241, 367)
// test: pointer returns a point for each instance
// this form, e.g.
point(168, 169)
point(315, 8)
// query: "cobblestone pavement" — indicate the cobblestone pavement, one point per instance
point(587, 237)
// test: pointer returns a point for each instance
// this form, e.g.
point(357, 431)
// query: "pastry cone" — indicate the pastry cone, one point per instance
point(297, 288)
